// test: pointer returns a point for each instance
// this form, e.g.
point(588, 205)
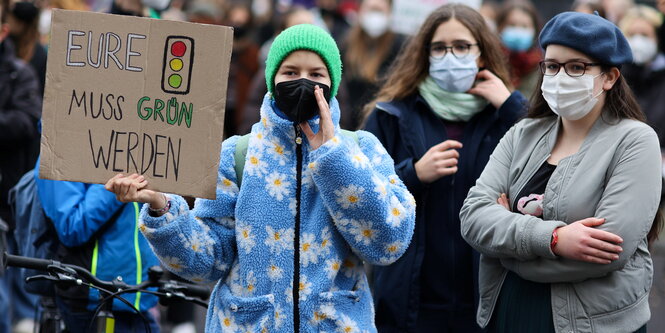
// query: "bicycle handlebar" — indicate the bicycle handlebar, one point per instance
point(50, 265)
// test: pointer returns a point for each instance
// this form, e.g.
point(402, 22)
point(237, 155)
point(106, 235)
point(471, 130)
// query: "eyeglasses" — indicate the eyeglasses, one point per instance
point(572, 68)
point(439, 50)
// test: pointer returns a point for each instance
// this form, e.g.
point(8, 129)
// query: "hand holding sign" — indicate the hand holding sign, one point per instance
point(133, 188)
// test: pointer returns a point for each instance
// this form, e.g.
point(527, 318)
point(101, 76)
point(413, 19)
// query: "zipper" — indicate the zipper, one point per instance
point(296, 241)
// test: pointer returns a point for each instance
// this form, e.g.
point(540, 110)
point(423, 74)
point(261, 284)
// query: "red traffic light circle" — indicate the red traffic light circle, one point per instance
point(178, 49)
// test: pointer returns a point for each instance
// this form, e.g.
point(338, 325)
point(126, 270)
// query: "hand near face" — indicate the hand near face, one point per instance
point(326, 126)
point(491, 88)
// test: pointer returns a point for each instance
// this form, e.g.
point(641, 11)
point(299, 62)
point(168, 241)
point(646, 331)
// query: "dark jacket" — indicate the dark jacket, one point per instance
point(648, 84)
point(408, 128)
point(360, 90)
point(20, 110)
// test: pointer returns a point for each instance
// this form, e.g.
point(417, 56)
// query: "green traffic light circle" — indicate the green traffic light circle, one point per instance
point(175, 80)
point(176, 64)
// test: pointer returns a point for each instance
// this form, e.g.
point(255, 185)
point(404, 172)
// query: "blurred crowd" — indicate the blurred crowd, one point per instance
point(363, 31)
point(364, 35)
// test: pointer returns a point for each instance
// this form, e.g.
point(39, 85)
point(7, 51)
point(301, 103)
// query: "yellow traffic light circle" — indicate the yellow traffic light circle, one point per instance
point(176, 64)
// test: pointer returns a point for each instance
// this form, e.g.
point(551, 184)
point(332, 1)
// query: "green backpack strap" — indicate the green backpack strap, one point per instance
point(350, 134)
point(241, 152)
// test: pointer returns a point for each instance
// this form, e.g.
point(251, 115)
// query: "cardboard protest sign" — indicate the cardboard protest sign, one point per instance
point(135, 95)
point(408, 15)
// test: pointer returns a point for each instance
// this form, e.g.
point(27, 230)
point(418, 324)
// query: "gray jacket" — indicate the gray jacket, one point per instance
point(615, 175)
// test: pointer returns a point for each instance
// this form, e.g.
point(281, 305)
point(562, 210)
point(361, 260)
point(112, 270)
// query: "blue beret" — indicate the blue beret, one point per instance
point(590, 34)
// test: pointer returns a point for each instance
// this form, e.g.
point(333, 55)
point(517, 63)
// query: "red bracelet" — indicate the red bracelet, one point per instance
point(555, 239)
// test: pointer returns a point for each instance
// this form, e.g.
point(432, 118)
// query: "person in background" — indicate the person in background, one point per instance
point(489, 10)
point(102, 235)
point(615, 9)
point(565, 208)
point(326, 14)
point(440, 113)
point(176, 10)
point(204, 12)
point(646, 74)
point(244, 66)
point(368, 51)
point(20, 110)
point(588, 7)
point(24, 32)
point(519, 26)
point(46, 12)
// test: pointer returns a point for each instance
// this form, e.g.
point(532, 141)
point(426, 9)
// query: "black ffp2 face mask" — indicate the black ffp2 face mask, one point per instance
point(297, 100)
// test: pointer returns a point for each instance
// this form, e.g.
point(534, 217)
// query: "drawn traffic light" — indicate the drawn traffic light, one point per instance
point(178, 62)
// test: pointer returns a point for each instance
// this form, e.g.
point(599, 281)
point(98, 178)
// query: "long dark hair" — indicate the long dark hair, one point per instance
point(412, 65)
point(620, 103)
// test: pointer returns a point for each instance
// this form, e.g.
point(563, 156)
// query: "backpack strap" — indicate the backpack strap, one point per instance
point(241, 152)
point(350, 134)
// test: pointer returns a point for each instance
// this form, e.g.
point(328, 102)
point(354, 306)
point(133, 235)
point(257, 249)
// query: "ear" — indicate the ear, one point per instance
point(611, 78)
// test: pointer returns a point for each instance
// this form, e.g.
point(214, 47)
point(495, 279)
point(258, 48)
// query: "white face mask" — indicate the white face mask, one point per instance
point(644, 49)
point(454, 74)
point(570, 97)
point(374, 23)
point(156, 4)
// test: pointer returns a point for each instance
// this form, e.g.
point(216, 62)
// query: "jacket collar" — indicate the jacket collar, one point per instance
point(603, 122)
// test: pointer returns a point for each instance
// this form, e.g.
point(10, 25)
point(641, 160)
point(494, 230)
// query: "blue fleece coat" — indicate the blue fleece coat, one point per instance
point(353, 208)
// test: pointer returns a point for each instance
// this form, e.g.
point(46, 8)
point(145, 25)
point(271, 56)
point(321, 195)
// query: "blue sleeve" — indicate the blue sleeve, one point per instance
point(77, 210)
point(198, 245)
point(370, 206)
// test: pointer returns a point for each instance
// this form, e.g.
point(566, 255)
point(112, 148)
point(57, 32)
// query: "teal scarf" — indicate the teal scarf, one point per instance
point(450, 106)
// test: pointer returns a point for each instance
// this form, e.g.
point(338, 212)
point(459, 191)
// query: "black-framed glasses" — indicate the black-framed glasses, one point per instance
point(438, 50)
point(572, 68)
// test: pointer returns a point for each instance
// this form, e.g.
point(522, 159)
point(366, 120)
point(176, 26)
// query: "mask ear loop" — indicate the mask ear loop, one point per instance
point(601, 88)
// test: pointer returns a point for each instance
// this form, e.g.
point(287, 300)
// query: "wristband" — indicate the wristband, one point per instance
point(555, 239)
point(162, 210)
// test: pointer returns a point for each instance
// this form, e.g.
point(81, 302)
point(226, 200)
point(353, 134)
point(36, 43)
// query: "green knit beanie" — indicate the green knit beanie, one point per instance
point(304, 37)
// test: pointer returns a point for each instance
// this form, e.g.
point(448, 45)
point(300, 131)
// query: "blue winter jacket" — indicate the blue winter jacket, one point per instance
point(262, 239)
point(101, 234)
point(438, 274)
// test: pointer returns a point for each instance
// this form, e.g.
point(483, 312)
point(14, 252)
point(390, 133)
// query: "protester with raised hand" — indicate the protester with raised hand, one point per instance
point(444, 107)
point(285, 243)
point(564, 208)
